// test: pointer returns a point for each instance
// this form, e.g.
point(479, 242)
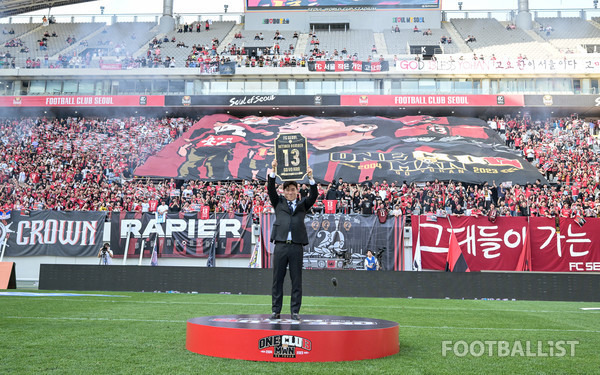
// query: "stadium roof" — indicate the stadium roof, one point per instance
point(13, 7)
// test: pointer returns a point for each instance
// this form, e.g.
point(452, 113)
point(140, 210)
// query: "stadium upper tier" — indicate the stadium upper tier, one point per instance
point(398, 43)
point(23, 44)
point(359, 42)
point(121, 39)
point(178, 45)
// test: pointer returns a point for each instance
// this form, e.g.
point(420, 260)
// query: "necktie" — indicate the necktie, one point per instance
point(290, 205)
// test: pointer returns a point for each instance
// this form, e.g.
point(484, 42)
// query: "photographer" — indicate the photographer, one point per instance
point(371, 263)
point(105, 254)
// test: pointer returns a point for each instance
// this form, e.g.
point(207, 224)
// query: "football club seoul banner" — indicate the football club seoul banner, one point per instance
point(53, 233)
point(182, 235)
point(410, 148)
point(338, 241)
point(496, 246)
point(84, 101)
point(432, 100)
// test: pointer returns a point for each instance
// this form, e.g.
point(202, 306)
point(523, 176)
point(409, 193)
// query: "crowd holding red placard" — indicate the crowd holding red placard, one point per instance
point(88, 163)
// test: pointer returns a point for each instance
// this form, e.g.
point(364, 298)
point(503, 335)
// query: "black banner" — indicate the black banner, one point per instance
point(338, 241)
point(252, 100)
point(182, 235)
point(290, 152)
point(349, 66)
point(411, 149)
point(54, 233)
point(227, 68)
point(425, 50)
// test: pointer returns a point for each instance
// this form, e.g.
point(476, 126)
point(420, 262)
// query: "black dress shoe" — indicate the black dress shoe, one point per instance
point(275, 316)
point(295, 316)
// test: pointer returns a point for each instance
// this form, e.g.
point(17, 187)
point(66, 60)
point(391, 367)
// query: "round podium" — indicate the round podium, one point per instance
point(315, 338)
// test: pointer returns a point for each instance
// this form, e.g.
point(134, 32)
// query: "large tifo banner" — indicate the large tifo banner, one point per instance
point(182, 235)
point(497, 246)
point(410, 148)
point(338, 241)
point(348, 66)
point(54, 233)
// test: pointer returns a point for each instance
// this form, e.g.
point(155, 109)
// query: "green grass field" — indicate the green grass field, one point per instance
point(144, 333)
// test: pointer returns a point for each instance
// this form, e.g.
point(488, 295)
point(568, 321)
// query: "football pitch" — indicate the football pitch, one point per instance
point(144, 333)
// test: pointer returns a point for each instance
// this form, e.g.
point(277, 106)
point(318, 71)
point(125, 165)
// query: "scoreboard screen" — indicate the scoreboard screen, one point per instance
point(377, 4)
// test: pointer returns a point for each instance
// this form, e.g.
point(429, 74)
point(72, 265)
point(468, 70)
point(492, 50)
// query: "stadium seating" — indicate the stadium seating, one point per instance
point(18, 28)
point(397, 43)
point(569, 35)
point(217, 30)
point(55, 44)
point(492, 37)
point(489, 32)
point(122, 38)
point(355, 41)
point(132, 39)
point(568, 28)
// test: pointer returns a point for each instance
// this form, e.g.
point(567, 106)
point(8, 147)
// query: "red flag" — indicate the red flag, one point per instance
point(330, 206)
point(205, 213)
point(524, 263)
point(455, 262)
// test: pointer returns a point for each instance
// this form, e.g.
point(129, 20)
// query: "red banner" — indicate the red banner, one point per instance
point(112, 66)
point(329, 206)
point(573, 248)
point(84, 101)
point(205, 213)
point(433, 100)
point(497, 246)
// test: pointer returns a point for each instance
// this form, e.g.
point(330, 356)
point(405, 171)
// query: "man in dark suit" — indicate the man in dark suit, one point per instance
point(289, 235)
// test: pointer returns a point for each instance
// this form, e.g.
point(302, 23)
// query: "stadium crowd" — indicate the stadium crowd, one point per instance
point(84, 164)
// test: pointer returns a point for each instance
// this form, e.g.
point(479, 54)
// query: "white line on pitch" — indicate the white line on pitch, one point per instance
point(309, 305)
point(401, 326)
point(505, 329)
point(95, 319)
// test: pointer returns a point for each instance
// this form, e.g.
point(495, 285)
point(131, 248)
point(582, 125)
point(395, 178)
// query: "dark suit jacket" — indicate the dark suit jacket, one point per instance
point(283, 216)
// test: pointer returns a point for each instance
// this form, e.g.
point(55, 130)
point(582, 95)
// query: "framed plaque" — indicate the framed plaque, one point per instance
point(290, 153)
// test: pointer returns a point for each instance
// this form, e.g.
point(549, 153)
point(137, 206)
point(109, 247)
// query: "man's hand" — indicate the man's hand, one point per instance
point(309, 173)
point(274, 164)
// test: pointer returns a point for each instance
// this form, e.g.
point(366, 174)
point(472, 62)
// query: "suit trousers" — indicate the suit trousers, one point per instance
point(287, 254)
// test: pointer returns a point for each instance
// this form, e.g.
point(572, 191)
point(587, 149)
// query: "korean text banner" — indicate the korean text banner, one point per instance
point(54, 233)
point(411, 148)
point(348, 66)
point(338, 241)
point(497, 246)
point(182, 235)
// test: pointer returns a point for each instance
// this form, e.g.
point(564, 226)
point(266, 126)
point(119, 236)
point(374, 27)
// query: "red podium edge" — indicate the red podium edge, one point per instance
point(327, 345)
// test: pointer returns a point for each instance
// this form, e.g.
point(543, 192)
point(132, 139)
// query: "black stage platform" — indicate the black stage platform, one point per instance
point(518, 285)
